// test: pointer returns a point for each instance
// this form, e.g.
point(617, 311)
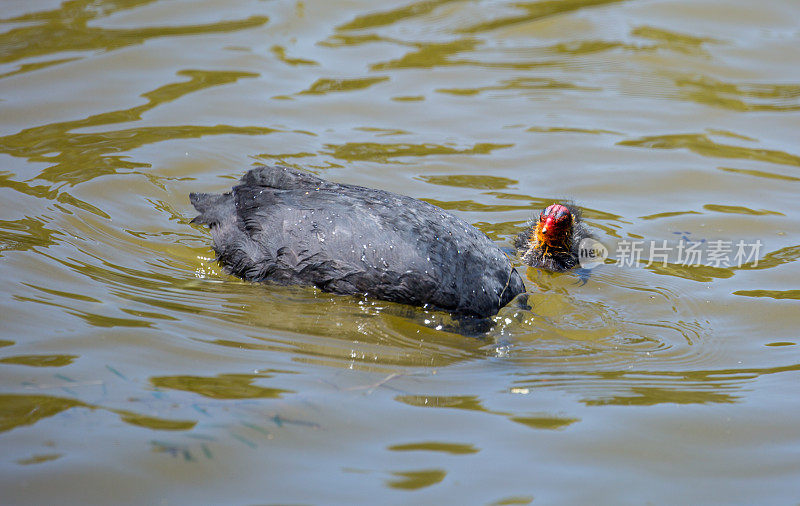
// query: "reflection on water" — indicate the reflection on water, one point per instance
point(741, 97)
point(649, 396)
point(18, 410)
point(126, 351)
point(226, 386)
point(323, 86)
point(517, 85)
point(544, 422)
point(534, 11)
point(82, 156)
point(24, 234)
point(26, 410)
point(382, 152)
point(39, 360)
point(433, 446)
point(473, 403)
point(469, 181)
point(703, 145)
point(68, 29)
point(413, 480)
point(774, 294)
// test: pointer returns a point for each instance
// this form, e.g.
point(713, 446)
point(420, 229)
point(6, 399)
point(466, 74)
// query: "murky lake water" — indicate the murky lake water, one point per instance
point(135, 371)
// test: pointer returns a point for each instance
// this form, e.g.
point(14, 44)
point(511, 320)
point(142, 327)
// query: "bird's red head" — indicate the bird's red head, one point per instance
point(554, 228)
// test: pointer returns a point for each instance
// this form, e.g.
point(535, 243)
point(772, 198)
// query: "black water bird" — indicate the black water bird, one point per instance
point(285, 226)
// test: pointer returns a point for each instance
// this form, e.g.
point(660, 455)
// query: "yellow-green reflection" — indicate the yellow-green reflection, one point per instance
point(426, 55)
point(357, 332)
point(373, 151)
point(409, 98)
point(583, 47)
point(342, 40)
point(59, 293)
point(718, 208)
point(775, 258)
point(390, 337)
point(40, 360)
point(540, 203)
point(672, 40)
point(522, 83)
point(383, 132)
point(376, 19)
point(280, 53)
point(42, 191)
point(38, 459)
point(650, 396)
point(534, 11)
point(669, 214)
point(24, 234)
point(106, 321)
point(436, 446)
point(702, 145)
point(728, 133)
point(224, 386)
point(30, 67)
point(700, 273)
point(649, 388)
point(514, 500)
point(478, 182)
point(740, 97)
point(17, 410)
point(323, 86)
point(70, 28)
point(148, 314)
point(415, 480)
point(465, 402)
point(544, 422)
point(78, 157)
point(150, 422)
point(571, 130)
point(772, 294)
point(472, 206)
point(282, 157)
point(503, 230)
point(759, 173)
point(429, 55)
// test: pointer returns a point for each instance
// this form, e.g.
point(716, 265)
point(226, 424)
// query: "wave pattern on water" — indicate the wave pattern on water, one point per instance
point(126, 350)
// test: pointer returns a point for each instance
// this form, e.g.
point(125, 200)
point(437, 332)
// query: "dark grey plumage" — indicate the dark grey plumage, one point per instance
point(285, 226)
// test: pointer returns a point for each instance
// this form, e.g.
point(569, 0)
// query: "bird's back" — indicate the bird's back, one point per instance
point(290, 227)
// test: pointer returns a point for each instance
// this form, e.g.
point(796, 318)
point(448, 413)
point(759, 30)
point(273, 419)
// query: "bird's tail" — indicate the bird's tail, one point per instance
point(214, 208)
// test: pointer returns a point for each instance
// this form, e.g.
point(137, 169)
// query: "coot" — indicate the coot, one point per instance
point(552, 242)
point(286, 226)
